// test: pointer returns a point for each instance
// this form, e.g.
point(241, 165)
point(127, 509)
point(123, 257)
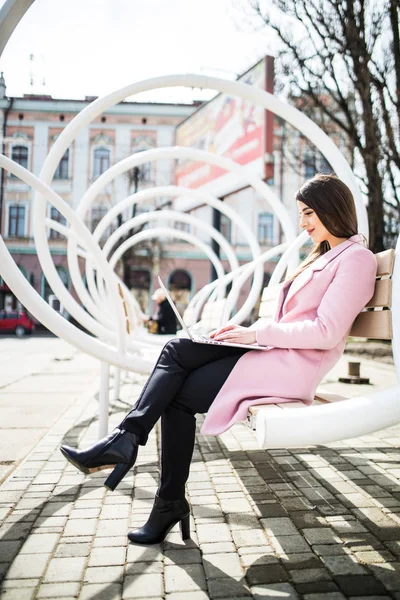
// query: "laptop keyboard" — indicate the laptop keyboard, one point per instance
point(209, 340)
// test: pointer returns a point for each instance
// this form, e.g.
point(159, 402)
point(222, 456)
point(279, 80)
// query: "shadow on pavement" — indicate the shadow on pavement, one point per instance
point(324, 510)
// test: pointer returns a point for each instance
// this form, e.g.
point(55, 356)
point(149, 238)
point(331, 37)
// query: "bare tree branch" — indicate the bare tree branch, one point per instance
point(342, 59)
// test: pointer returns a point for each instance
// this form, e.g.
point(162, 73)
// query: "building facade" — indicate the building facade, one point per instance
point(30, 125)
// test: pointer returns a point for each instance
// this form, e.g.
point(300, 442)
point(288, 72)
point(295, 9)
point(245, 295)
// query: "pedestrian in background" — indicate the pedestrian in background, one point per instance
point(164, 318)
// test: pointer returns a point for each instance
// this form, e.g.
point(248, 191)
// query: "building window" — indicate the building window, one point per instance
point(180, 280)
point(62, 169)
point(16, 221)
point(56, 216)
point(146, 169)
point(226, 227)
point(101, 161)
point(19, 154)
point(266, 228)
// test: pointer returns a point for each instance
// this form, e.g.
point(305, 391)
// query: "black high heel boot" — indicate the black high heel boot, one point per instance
point(119, 450)
point(164, 515)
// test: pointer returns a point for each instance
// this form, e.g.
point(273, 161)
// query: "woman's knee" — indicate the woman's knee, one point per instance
point(177, 344)
point(174, 350)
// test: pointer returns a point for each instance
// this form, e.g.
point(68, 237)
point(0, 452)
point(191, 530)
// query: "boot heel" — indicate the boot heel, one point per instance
point(116, 476)
point(184, 525)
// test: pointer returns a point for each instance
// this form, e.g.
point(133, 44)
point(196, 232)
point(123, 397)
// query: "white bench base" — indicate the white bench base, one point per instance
point(319, 399)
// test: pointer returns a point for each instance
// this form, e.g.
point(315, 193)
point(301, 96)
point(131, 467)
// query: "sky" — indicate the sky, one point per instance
point(92, 47)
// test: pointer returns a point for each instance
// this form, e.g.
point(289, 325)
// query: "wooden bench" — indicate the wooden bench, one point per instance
point(373, 322)
point(127, 311)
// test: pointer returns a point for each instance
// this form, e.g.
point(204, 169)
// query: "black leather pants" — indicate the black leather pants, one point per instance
point(185, 381)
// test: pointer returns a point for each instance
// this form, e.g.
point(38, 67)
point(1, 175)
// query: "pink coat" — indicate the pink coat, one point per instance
point(313, 317)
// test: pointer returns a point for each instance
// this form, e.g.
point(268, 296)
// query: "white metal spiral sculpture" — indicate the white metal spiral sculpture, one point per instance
point(100, 310)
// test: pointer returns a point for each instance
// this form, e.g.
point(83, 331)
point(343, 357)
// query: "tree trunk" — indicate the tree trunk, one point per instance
point(375, 206)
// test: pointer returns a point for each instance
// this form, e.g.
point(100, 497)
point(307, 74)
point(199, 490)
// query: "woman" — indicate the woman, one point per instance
point(164, 318)
point(316, 308)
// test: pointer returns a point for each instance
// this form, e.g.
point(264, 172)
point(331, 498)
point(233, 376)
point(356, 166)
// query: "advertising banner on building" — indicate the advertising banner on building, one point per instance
point(228, 126)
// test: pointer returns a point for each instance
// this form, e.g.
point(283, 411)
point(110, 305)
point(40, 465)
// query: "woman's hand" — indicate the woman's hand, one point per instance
point(234, 333)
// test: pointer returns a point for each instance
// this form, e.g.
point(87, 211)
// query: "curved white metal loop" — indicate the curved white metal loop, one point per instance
point(54, 322)
point(284, 262)
point(11, 14)
point(98, 311)
point(315, 425)
point(51, 274)
point(176, 191)
point(178, 152)
point(194, 154)
point(172, 215)
point(175, 216)
point(251, 93)
point(95, 310)
point(165, 231)
point(240, 89)
point(248, 270)
point(88, 241)
point(234, 88)
point(244, 271)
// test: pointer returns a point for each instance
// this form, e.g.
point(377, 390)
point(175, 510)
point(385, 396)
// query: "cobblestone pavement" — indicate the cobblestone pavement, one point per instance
point(318, 523)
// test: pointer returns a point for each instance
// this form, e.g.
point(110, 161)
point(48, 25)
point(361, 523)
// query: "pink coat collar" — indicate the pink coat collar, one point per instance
point(326, 258)
point(320, 263)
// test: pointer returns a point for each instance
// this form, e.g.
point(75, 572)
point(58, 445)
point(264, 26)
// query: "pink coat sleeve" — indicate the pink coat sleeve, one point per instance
point(349, 291)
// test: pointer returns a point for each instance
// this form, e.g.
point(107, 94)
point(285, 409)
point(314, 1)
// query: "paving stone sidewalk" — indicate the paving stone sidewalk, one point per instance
point(320, 523)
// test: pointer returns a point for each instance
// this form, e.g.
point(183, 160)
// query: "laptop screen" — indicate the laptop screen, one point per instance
point(177, 314)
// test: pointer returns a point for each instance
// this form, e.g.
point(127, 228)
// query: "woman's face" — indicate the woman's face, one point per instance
point(314, 227)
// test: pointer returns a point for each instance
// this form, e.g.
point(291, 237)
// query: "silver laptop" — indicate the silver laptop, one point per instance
point(202, 339)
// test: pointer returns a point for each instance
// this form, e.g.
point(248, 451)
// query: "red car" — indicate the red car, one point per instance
point(16, 321)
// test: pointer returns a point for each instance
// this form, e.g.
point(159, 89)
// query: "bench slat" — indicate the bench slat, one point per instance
point(375, 324)
point(284, 405)
point(296, 404)
point(270, 407)
point(279, 405)
point(381, 299)
point(126, 311)
point(328, 397)
point(382, 294)
point(385, 262)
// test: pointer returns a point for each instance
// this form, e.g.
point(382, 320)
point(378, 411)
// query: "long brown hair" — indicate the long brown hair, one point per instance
point(333, 204)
